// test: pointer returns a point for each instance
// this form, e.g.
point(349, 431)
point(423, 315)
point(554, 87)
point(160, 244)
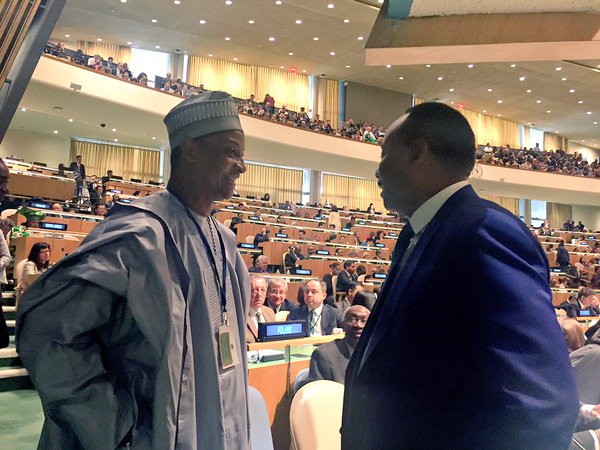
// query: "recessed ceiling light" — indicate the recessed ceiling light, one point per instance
point(595, 123)
point(331, 6)
point(360, 38)
point(123, 1)
point(304, 71)
point(210, 55)
point(71, 120)
point(271, 39)
point(298, 22)
point(67, 35)
point(401, 78)
point(114, 129)
point(499, 101)
point(227, 38)
point(281, 67)
point(99, 39)
point(291, 53)
point(548, 111)
point(228, 2)
point(490, 89)
point(153, 138)
point(177, 2)
point(571, 90)
point(55, 131)
point(556, 132)
point(484, 111)
point(427, 65)
point(278, 2)
point(521, 78)
point(348, 21)
point(202, 21)
point(583, 140)
point(499, 115)
point(389, 66)
point(116, 140)
point(452, 103)
point(513, 65)
point(157, 46)
point(23, 109)
point(451, 89)
point(440, 78)
point(154, 20)
point(315, 38)
point(558, 68)
point(470, 66)
point(379, 1)
point(528, 91)
point(251, 21)
point(129, 42)
point(332, 53)
point(580, 102)
point(235, 59)
point(538, 101)
point(589, 112)
point(347, 67)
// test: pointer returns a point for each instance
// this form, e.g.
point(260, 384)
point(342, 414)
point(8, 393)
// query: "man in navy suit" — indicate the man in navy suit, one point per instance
point(494, 371)
point(277, 296)
point(320, 319)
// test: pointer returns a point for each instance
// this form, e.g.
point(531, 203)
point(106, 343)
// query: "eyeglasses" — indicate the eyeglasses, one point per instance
point(355, 319)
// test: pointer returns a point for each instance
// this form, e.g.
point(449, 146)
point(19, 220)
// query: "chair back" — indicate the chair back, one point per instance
point(316, 416)
point(260, 427)
point(299, 378)
point(361, 278)
point(18, 272)
point(334, 284)
point(7, 213)
point(227, 222)
point(286, 269)
point(281, 316)
point(249, 239)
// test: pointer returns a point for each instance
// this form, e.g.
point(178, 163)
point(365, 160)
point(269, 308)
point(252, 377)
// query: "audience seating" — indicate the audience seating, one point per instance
point(316, 416)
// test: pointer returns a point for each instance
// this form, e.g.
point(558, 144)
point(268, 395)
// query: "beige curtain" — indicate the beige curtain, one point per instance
point(527, 136)
point(557, 214)
point(119, 53)
point(552, 142)
point(510, 203)
point(351, 192)
point(280, 183)
point(128, 162)
point(494, 130)
point(331, 106)
point(290, 89)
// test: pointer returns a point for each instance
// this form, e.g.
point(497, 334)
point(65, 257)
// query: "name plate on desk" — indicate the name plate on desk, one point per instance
point(53, 226)
point(276, 331)
point(246, 245)
point(40, 205)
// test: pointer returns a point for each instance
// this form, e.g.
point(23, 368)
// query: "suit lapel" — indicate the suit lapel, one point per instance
point(252, 327)
point(395, 286)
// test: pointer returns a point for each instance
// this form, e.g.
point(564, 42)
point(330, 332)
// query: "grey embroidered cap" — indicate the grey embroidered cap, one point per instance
point(202, 114)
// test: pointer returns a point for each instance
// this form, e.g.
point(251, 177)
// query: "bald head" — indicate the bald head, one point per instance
point(355, 319)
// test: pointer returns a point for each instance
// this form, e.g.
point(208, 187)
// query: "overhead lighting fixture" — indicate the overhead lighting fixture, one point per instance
point(470, 66)
point(281, 67)
point(153, 138)
point(123, 1)
point(595, 123)
point(499, 115)
point(389, 66)
point(291, 53)
point(210, 55)
point(228, 2)
point(23, 109)
point(580, 102)
point(427, 65)
point(451, 89)
point(588, 113)
point(202, 21)
point(538, 101)
point(571, 91)
point(67, 35)
point(331, 6)
point(271, 39)
point(360, 38)
point(563, 79)
point(227, 38)
point(55, 131)
point(315, 38)
point(348, 21)
point(116, 140)
point(71, 120)
point(548, 111)
point(304, 71)
point(528, 91)
point(114, 129)
point(278, 2)
point(490, 89)
point(298, 22)
point(99, 39)
point(177, 2)
point(513, 65)
point(251, 21)
point(235, 59)
point(499, 101)
point(558, 68)
point(129, 42)
point(347, 67)
point(154, 20)
point(484, 111)
point(440, 78)
point(332, 53)
point(157, 46)
point(521, 78)
point(401, 78)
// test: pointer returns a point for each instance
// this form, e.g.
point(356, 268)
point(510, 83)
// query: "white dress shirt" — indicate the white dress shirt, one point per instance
point(316, 331)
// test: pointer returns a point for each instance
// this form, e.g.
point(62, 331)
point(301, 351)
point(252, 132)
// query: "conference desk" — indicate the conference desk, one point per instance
point(320, 264)
point(28, 184)
point(275, 379)
point(61, 244)
point(76, 223)
point(130, 188)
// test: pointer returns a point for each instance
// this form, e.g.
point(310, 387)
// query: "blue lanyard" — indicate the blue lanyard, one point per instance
point(222, 286)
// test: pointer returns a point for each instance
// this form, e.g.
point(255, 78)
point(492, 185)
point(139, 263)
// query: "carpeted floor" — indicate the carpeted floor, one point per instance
point(21, 420)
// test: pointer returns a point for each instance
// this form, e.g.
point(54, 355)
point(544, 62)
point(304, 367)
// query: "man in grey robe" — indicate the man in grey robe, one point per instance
point(137, 339)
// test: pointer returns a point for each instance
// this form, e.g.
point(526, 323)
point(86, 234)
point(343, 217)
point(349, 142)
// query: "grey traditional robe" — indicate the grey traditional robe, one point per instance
point(108, 337)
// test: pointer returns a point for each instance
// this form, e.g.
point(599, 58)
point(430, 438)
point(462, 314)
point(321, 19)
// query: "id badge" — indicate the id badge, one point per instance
point(227, 348)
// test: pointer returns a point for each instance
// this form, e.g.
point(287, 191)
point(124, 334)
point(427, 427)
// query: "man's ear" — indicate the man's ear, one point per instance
point(418, 151)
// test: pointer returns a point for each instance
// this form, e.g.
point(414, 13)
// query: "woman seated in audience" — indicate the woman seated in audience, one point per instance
point(37, 263)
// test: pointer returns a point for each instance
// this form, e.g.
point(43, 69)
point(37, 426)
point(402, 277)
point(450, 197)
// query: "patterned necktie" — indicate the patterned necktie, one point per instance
point(313, 321)
point(259, 317)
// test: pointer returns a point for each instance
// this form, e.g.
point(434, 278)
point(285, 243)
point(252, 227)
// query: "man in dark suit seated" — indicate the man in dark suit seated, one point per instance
point(346, 276)
point(353, 288)
point(263, 236)
point(261, 265)
point(291, 259)
point(586, 301)
point(495, 373)
point(334, 270)
point(277, 296)
point(330, 360)
point(320, 319)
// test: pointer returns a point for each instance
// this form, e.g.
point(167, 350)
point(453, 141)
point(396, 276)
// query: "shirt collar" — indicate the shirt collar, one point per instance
point(317, 310)
point(423, 215)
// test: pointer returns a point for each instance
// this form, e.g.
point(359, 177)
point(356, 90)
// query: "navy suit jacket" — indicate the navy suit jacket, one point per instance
point(492, 373)
point(330, 318)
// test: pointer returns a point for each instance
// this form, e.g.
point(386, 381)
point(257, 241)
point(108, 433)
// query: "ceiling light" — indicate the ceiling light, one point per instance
point(136, 46)
point(67, 35)
point(484, 111)
point(528, 91)
point(452, 103)
point(451, 89)
point(202, 21)
point(55, 131)
point(177, 2)
point(129, 42)
point(558, 68)
point(470, 66)
point(348, 21)
point(589, 112)
point(210, 55)
point(157, 46)
point(595, 123)
point(278, 2)
point(71, 120)
point(99, 39)
point(548, 111)
point(332, 53)
point(401, 78)
point(228, 2)
point(499, 101)
point(360, 38)
point(251, 21)
point(114, 129)
point(331, 6)
point(571, 90)
point(153, 138)
point(563, 79)
point(123, 1)
point(304, 71)
point(271, 39)
point(521, 78)
point(291, 53)
point(427, 65)
point(490, 89)
point(379, 1)
point(116, 140)
point(235, 59)
point(347, 67)
point(298, 22)
point(227, 38)
point(154, 20)
point(281, 67)
point(389, 66)
point(580, 102)
point(23, 109)
point(315, 38)
point(513, 65)
point(538, 101)
point(440, 78)
point(556, 132)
